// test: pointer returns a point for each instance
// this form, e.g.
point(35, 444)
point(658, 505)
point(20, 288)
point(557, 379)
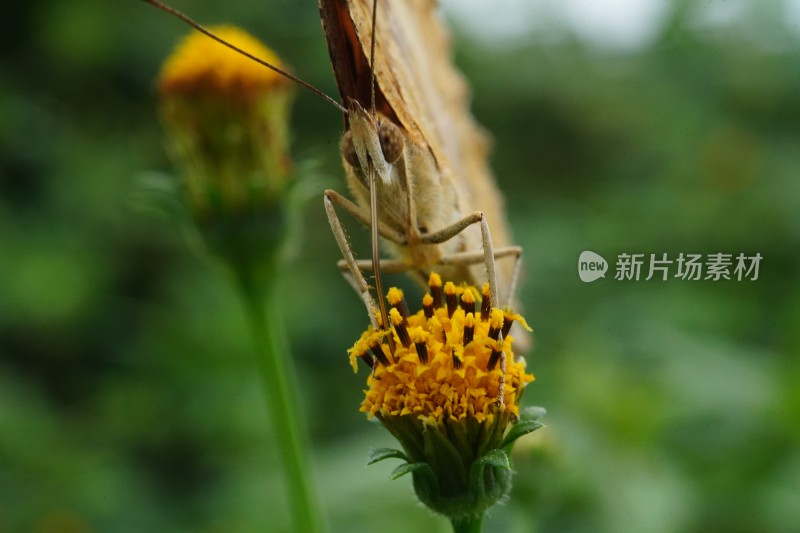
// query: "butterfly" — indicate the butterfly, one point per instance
point(408, 118)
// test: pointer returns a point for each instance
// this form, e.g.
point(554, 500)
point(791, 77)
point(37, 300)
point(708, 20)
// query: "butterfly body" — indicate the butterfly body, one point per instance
point(402, 206)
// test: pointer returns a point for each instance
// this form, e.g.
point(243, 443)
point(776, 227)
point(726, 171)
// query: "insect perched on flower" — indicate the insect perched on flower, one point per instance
point(414, 157)
point(446, 397)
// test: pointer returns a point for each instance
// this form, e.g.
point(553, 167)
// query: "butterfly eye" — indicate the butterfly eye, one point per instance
point(391, 141)
point(348, 150)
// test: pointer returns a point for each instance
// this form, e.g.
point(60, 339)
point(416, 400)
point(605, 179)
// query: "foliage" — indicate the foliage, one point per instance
point(128, 396)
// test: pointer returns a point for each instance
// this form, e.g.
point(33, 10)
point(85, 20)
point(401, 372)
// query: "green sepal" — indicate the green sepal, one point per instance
point(498, 458)
point(455, 486)
point(498, 476)
point(460, 468)
point(529, 420)
point(445, 460)
point(379, 454)
point(406, 468)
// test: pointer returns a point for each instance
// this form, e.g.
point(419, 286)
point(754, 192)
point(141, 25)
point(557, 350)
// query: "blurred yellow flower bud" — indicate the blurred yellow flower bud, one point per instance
point(226, 119)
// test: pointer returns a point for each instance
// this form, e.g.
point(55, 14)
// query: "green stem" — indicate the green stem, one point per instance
point(272, 353)
point(470, 524)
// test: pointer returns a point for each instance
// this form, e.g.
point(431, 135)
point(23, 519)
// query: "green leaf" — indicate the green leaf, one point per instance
point(498, 458)
point(379, 454)
point(407, 468)
point(158, 193)
point(528, 422)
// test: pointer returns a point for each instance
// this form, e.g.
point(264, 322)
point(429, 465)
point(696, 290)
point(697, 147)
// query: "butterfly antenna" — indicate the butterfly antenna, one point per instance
point(372, 56)
point(373, 184)
point(197, 26)
point(376, 261)
point(373, 191)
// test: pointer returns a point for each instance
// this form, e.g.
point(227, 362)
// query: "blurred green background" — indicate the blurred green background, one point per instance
point(129, 399)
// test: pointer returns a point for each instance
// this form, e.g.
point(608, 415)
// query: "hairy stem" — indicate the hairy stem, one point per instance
point(470, 524)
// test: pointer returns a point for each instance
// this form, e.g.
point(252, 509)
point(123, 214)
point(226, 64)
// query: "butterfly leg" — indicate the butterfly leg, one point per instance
point(452, 230)
point(362, 215)
point(356, 277)
point(388, 266)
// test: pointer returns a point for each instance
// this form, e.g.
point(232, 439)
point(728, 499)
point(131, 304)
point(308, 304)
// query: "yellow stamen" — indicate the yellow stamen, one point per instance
point(394, 296)
point(450, 297)
point(486, 297)
point(442, 368)
point(435, 283)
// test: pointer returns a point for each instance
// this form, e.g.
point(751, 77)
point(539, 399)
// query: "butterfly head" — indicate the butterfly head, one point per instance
point(371, 138)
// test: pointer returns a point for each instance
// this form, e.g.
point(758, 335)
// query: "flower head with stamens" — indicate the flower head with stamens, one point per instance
point(449, 393)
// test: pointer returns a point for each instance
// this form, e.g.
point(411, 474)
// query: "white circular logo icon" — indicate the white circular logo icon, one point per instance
point(591, 266)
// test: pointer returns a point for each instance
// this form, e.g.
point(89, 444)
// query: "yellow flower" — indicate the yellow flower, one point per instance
point(445, 363)
point(227, 120)
point(449, 391)
point(200, 65)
